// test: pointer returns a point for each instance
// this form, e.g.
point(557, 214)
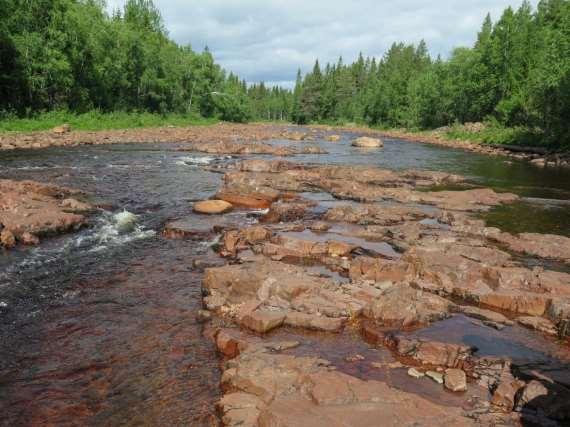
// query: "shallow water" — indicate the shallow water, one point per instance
point(99, 326)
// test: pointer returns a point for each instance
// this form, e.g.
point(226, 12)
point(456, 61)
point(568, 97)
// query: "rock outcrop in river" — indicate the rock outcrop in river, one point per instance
point(404, 260)
point(336, 295)
point(29, 210)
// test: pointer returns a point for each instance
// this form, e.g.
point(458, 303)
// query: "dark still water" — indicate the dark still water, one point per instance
point(98, 328)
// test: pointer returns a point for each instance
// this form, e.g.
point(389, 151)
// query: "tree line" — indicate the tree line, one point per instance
point(517, 74)
point(73, 55)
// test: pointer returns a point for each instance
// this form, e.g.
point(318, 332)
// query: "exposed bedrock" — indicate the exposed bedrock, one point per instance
point(30, 210)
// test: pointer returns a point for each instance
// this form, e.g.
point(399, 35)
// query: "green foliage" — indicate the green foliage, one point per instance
point(517, 74)
point(71, 55)
point(97, 120)
point(494, 133)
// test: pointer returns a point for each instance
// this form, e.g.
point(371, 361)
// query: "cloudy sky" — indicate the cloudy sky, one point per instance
point(268, 40)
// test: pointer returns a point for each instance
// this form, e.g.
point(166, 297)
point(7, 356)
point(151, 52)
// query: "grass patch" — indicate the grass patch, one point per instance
point(96, 120)
point(499, 135)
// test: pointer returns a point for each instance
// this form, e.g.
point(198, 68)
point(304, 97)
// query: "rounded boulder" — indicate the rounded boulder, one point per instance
point(212, 207)
point(367, 142)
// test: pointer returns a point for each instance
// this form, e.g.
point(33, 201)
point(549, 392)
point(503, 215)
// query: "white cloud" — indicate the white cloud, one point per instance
point(268, 40)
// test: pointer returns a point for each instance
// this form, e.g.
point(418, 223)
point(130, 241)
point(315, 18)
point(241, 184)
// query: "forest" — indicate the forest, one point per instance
point(516, 76)
point(72, 55)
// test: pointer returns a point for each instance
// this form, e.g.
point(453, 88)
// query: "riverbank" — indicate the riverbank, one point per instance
point(203, 131)
point(62, 136)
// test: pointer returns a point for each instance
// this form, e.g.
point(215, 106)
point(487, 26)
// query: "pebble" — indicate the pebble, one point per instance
point(436, 376)
point(413, 372)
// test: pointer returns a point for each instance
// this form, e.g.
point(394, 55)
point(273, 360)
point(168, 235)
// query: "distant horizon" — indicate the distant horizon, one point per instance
point(269, 41)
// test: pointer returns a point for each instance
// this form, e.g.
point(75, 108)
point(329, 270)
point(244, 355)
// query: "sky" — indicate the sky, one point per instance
point(268, 40)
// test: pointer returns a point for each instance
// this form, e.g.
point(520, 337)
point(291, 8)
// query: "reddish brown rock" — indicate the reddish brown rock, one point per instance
point(505, 393)
point(236, 290)
point(541, 245)
point(7, 239)
point(302, 391)
point(237, 240)
point(29, 209)
point(404, 306)
point(432, 353)
point(286, 212)
point(378, 270)
point(538, 323)
point(314, 322)
point(247, 198)
point(286, 246)
point(319, 226)
point(29, 239)
point(240, 409)
point(375, 214)
point(73, 205)
point(212, 207)
point(485, 315)
point(455, 380)
point(263, 321)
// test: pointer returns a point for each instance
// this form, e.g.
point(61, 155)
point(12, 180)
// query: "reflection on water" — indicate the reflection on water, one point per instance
point(525, 217)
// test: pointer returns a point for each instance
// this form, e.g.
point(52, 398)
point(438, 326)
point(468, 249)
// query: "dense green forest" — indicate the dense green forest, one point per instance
point(72, 55)
point(516, 76)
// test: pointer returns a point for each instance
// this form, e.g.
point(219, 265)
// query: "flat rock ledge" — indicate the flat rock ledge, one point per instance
point(30, 210)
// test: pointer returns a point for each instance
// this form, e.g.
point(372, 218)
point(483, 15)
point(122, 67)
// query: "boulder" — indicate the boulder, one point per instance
point(213, 207)
point(234, 241)
point(367, 142)
point(333, 138)
point(28, 238)
point(504, 395)
point(455, 380)
point(240, 409)
point(263, 321)
point(247, 199)
point(7, 238)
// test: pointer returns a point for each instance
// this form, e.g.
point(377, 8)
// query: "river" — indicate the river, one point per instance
point(98, 327)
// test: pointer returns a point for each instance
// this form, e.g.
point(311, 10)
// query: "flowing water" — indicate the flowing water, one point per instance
point(98, 327)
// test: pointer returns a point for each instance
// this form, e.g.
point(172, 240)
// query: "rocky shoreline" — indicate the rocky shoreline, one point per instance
point(381, 260)
point(227, 136)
